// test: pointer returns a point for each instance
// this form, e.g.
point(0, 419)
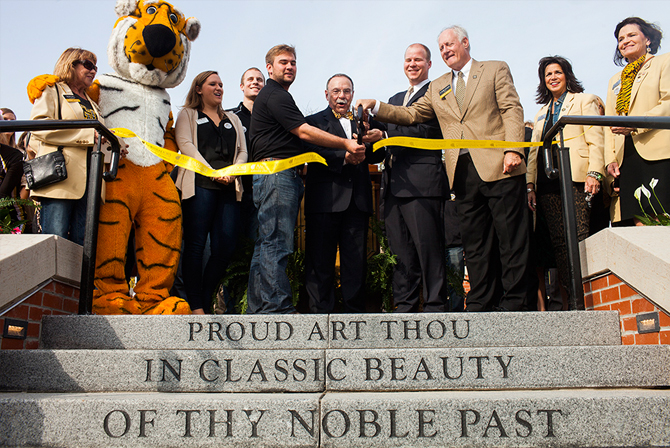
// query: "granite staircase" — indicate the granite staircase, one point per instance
point(387, 380)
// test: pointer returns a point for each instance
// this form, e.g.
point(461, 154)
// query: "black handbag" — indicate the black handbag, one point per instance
point(47, 169)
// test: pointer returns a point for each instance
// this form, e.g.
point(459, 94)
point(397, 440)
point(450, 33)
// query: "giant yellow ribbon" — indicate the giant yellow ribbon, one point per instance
point(453, 143)
point(189, 163)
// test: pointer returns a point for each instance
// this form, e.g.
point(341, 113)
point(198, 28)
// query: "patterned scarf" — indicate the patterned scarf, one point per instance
point(627, 78)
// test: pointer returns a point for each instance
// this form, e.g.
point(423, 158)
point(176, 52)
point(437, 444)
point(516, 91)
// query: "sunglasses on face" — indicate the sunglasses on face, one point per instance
point(88, 65)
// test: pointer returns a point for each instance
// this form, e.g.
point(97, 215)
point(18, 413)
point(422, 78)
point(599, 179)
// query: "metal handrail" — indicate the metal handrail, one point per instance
point(565, 173)
point(93, 187)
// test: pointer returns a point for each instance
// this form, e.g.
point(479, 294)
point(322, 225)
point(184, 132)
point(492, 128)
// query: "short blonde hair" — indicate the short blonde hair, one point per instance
point(64, 68)
point(277, 50)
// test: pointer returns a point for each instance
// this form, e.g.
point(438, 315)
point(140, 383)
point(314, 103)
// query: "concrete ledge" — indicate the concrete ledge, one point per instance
point(28, 260)
point(640, 256)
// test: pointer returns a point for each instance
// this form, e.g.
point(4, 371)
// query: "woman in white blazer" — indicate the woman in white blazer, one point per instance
point(636, 156)
point(210, 206)
point(63, 209)
point(562, 94)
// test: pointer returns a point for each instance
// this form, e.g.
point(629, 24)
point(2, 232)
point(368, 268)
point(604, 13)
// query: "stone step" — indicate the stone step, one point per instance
point(546, 418)
point(333, 369)
point(573, 328)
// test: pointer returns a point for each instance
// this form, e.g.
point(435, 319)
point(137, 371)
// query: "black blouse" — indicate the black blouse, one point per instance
point(217, 146)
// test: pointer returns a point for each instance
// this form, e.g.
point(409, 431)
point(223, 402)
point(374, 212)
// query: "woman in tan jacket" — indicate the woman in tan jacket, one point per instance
point(210, 206)
point(636, 156)
point(562, 94)
point(63, 211)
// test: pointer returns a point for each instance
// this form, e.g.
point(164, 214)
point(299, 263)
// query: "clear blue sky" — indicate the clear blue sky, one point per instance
point(365, 39)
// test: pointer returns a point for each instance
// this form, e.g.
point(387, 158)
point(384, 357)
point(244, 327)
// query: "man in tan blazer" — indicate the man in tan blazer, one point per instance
point(482, 103)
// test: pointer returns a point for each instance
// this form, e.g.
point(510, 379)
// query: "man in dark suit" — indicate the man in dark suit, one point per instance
point(413, 191)
point(477, 100)
point(338, 204)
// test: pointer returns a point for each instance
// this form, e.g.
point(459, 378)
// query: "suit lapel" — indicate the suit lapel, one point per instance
point(639, 78)
point(567, 104)
point(475, 76)
point(334, 124)
point(451, 96)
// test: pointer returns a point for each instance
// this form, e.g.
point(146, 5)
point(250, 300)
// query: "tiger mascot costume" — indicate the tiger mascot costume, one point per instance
point(149, 51)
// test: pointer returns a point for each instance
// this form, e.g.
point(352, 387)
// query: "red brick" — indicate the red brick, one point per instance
point(604, 307)
point(626, 291)
point(588, 301)
point(11, 344)
point(610, 295)
point(628, 339)
point(37, 313)
point(587, 287)
point(66, 290)
point(597, 299)
point(665, 337)
point(599, 283)
point(52, 301)
point(35, 299)
point(664, 319)
point(50, 287)
point(18, 312)
point(71, 306)
point(613, 280)
point(642, 306)
point(622, 307)
point(647, 339)
point(32, 345)
point(33, 330)
point(629, 323)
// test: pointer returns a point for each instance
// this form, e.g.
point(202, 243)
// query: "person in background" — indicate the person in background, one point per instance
point(63, 211)
point(210, 206)
point(561, 94)
point(635, 156)
point(8, 114)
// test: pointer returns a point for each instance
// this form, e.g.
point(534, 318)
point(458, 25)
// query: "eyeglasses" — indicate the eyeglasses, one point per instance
point(88, 65)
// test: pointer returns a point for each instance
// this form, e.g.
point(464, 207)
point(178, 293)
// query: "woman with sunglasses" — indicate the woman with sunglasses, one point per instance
point(63, 210)
point(210, 206)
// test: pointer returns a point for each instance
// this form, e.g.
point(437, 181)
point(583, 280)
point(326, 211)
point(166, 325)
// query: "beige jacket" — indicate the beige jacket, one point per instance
point(585, 142)
point(186, 132)
point(75, 142)
point(492, 111)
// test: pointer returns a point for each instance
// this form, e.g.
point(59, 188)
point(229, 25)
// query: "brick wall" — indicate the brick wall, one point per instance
point(609, 292)
point(55, 298)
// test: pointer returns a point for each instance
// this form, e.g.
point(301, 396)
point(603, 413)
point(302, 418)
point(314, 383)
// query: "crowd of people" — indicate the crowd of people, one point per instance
point(491, 209)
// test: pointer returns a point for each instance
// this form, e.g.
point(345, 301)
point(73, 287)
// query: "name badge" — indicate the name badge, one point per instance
point(444, 92)
point(202, 120)
point(71, 98)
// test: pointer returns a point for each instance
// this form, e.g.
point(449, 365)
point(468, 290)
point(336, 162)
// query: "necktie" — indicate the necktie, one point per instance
point(460, 91)
point(408, 95)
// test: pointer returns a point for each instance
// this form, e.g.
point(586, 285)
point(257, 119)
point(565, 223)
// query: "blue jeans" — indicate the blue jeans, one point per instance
point(277, 198)
point(65, 218)
point(217, 214)
point(456, 264)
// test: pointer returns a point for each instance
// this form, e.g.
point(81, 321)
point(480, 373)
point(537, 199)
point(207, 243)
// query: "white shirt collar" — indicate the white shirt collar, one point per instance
point(466, 72)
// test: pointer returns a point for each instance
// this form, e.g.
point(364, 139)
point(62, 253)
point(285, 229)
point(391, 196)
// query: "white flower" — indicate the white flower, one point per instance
point(646, 192)
point(653, 183)
point(637, 193)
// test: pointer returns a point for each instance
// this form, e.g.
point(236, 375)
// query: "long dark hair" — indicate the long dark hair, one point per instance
point(650, 30)
point(574, 86)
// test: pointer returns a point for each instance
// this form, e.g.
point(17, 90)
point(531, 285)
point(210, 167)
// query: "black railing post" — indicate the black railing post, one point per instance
point(93, 191)
point(570, 227)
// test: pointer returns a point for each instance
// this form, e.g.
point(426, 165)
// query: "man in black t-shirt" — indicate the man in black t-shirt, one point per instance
point(277, 127)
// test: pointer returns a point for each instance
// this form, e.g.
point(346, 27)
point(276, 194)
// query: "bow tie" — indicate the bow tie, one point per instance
point(349, 115)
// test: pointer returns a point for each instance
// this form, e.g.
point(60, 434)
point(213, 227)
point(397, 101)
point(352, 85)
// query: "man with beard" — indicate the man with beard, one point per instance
point(277, 127)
